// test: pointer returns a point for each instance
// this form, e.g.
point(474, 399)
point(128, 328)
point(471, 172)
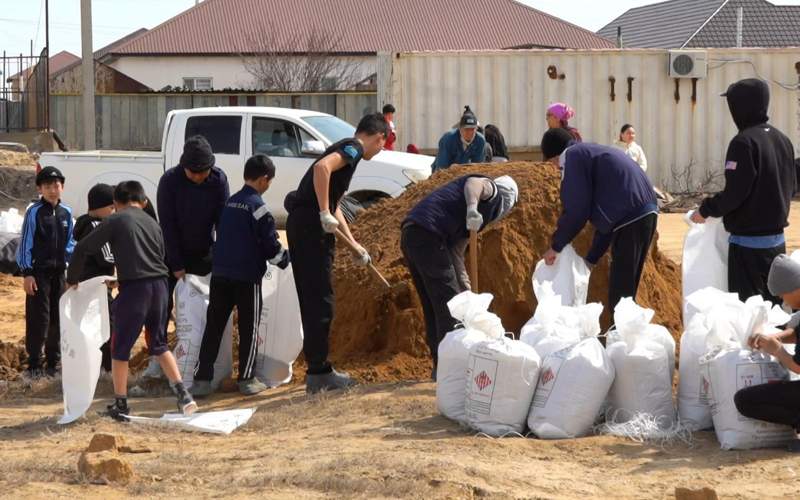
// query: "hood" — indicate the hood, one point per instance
point(748, 101)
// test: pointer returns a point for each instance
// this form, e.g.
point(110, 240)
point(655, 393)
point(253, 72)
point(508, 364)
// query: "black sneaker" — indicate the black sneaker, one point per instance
point(51, 371)
point(33, 374)
point(794, 446)
point(118, 412)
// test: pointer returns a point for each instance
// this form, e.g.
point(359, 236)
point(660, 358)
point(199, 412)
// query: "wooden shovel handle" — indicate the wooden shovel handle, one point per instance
point(354, 249)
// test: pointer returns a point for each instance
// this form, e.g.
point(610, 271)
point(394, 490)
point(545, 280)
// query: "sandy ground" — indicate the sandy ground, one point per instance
point(381, 441)
point(378, 441)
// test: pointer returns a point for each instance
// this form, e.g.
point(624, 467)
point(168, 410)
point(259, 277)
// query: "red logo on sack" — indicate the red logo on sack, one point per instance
point(180, 351)
point(705, 385)
point(548, 376)
point(482, 380)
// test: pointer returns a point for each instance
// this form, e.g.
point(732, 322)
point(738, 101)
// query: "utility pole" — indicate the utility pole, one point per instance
point(47, 65)
point(87, 68)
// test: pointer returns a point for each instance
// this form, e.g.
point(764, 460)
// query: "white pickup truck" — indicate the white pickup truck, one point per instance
point(292, 138)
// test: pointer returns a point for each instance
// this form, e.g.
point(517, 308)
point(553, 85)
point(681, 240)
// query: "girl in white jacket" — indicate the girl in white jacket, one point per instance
point(627, 143)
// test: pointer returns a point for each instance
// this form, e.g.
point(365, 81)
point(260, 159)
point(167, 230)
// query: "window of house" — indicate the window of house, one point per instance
point(197, 83)
point(274, 137)
point(222, 132)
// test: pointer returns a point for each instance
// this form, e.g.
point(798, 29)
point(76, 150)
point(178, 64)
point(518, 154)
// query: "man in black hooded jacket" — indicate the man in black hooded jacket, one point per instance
point(760, 181)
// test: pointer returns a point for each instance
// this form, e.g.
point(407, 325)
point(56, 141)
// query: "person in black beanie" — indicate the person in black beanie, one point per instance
point(602, 185)
point(100, 263)
point(760, 180)
point(190, 199)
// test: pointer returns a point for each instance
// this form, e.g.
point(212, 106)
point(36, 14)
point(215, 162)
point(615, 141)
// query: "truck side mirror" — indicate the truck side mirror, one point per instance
point(313, 148)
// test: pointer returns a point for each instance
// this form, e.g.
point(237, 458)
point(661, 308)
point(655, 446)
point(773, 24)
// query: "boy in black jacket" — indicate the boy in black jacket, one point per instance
point(101, 205)
point(760, 181)
point(246, 240)
point(138, 247)
point(44, 249)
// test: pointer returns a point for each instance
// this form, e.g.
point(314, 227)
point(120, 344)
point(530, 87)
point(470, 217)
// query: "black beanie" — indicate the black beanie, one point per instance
point(101, 195)
point(197, 155)
point(555, 141)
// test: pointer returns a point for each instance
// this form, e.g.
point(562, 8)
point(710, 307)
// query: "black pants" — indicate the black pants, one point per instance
point(105, 349)
point(312, 252)
point(778, 403)
point(748, 269)
point(429, 260)
point(199, 265)
point(42, 323)
point(629, 250)
point(226, 293)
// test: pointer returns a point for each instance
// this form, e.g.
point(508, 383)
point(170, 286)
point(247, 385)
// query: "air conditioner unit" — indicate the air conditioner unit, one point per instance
point(688, 63)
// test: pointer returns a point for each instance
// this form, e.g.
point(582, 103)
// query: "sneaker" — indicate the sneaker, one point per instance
point(153, 369)
point(33, 374)
point(51, 371)
point(794, 446)
point(201, 388)
point(118, 412)
point(186, 404)
point(251, 387)
point(328, 382)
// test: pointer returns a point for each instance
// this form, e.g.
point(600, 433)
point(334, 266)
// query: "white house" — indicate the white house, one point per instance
point(217, 44)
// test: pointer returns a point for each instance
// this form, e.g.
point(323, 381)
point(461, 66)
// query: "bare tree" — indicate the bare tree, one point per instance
point(300, 61)
point(684, 180)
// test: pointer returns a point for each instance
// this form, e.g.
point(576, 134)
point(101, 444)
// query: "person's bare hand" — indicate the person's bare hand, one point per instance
point(30, 285)
point(697, 218)
point(179, 275)
point(550, 257)
point(769, 344)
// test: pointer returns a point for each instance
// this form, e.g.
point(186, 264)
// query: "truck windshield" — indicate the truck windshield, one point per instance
point(334, 129)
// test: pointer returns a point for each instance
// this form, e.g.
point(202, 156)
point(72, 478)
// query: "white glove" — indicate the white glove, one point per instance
point(328, 221)
point(362, 258)
point(474, 218)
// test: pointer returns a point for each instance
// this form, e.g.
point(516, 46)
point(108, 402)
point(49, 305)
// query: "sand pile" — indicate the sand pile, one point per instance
point(379, 334)
point(16, 159)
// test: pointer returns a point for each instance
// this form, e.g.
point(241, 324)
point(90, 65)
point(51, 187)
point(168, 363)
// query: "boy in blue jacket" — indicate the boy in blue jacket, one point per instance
point(601, 185)
point(44, 250)
point(246, 240)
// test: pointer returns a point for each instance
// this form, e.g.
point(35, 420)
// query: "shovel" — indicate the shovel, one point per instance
point(473, 260)
point(349, 243)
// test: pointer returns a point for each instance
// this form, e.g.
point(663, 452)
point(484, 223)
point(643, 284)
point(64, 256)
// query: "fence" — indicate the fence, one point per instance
point(23, 92)
point(136, 121)
point(683, 125)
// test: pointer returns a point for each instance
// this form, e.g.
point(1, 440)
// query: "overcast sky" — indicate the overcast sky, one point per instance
point(23, 20)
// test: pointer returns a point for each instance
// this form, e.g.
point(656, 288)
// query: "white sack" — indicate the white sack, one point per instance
point(84, 328)
point(214, 422)
point(573, 384)
point(644, 362)
point(191, 305)
point(731, 366)
point(705, 258)
point(502, 377)
point(11, 221)
point(693, 383)
point(280, 333)
point(478, 324)
point(569, 276)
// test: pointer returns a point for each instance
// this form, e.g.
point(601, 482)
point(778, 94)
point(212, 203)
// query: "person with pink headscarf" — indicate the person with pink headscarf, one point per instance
point(558, 116)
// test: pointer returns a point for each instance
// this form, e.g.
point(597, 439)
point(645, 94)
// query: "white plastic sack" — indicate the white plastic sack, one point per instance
point(478, 325)
point(502, 377)
point(569, 277)
point(693, 383)
point(214, 422)
point(644, 362)
point(732, 366)
point(84, 328)
point(191, 305)
point(280, 333)
point(11, 221)
point(573, 384)
point(705, 258)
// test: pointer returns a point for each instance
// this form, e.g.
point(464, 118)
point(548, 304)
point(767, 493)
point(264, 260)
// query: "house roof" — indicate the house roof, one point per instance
point(57, 63)
point(363, 27)
point(99, 53)
point(664, 25)
point(707, 23)
point(763, 25)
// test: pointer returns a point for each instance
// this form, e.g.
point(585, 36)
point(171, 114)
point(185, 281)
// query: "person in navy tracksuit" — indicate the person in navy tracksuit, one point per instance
point(44, 250)
point(602, 185)
point(246, 240)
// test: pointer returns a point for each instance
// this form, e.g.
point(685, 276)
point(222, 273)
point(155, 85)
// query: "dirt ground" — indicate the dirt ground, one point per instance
point(379, 441)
